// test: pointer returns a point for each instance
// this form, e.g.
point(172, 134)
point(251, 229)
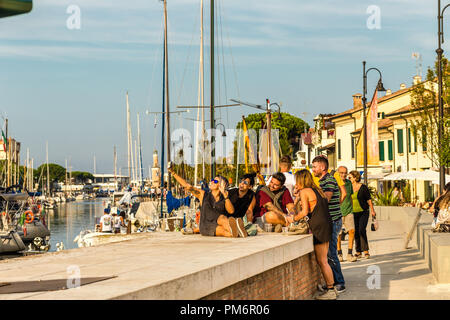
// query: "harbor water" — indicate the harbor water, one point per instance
point(68, 219)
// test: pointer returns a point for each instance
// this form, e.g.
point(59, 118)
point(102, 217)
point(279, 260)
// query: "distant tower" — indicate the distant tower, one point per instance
point(156, 171)
point(418, 57)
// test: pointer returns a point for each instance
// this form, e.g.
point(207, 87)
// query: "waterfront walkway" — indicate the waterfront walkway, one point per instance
point(169, 265)
point(404, 274)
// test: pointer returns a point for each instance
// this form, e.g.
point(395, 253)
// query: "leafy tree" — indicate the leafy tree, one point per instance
point(57, 173)
point(424, 103)
point(82, 176)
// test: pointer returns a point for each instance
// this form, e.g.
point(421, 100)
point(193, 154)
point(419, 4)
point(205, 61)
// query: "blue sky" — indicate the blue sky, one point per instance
point(68, 87)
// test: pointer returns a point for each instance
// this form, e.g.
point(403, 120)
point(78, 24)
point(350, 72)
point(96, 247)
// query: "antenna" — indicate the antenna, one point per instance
point(418, 57)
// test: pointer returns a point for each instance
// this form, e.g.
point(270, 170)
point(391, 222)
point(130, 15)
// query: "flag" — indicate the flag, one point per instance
point(372, 136)
point(249, 154)
point(4, 141)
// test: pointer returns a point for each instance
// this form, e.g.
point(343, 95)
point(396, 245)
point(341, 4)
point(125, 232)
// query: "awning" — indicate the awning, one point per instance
point(427, 175)
point(328, 146)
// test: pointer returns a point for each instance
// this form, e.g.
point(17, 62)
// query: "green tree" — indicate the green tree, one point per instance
point(82, 176)
point(424, 103)
point(57, 173)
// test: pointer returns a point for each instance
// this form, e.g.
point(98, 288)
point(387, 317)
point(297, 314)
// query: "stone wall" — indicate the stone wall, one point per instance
point(294, 280)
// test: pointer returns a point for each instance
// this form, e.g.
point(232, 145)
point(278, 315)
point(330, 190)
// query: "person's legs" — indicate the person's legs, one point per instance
point(356, 216)
point(225, 227)
point(332, 254)
point(321, 251)
point(339, 247)
point(363, 231)
point(275, 218)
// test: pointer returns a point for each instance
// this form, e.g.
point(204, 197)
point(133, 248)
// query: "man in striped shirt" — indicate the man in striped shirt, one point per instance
point(330, 187)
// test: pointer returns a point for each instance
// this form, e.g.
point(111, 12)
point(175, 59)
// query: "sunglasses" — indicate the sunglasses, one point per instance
point(244, 182)
point(215, 181)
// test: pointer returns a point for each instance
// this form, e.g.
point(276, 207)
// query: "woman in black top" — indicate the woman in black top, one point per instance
point(215, 204)
point(313, 203)
point(362, 203)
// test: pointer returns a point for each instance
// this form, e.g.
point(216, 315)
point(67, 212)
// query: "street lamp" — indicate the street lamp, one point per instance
point(440, 52)
point(224, 134)
point(279, 110)
point(380, 88)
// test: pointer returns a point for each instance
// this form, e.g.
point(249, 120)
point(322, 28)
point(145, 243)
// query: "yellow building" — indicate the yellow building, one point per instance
point(399, 149)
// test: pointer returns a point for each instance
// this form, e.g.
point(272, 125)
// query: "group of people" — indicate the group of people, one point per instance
point(327, 199)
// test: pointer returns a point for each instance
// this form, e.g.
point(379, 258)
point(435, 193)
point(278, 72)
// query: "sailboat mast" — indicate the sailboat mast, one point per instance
point(115, 170)
point(213, 151)
point(66, 180)
point(140, 150)
point(162, 132)
point(166, 63)
point(135, 175)
point(201, 96)
point(48, 171)
point(128, 139)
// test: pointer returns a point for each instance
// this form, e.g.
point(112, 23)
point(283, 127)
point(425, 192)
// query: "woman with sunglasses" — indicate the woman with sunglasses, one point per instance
point(214, 205)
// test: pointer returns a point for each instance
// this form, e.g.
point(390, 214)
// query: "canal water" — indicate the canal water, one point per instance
point(68, 219)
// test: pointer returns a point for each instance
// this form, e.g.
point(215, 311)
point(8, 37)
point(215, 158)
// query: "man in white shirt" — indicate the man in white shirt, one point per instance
point(106, 222)
point(285, 167)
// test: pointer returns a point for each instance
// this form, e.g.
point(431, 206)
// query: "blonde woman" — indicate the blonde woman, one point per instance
point(443, 217)
point(313, 203)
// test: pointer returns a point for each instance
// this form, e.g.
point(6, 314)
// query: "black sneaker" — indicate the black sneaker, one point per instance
point(322, 287)
point(340, 288)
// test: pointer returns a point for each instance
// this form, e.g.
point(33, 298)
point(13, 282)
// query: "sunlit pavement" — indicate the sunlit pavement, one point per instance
point(403, 274)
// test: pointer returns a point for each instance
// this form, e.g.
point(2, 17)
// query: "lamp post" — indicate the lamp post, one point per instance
point(440, 52)
point(380, 87)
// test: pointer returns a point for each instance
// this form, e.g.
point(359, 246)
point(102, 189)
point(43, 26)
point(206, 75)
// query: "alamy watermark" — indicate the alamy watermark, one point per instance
point(374, 20)
point(230, 146)
point(374, 281)
point(73, 277)
point(73, 22)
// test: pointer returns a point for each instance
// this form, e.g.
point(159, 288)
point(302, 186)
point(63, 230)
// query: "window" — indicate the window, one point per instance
point(353, 147)
point(339, 149)
point(409, 140)
point(381, 150)
point(400, 140)
point(415, 140)
point(390, 150)
point(424, 139)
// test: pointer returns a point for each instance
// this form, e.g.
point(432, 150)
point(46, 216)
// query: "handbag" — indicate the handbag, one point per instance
point(374, 225)
point(300, 227)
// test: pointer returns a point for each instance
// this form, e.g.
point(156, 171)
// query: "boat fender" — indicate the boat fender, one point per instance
point(29, 216)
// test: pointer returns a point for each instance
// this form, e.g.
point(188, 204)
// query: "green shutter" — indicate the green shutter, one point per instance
point(409, 140)
point(415, 140)
point(339, 149)
point(390, 150)
point(424, 139)
point(381, 149)
point(353, 147)
point(400, 140)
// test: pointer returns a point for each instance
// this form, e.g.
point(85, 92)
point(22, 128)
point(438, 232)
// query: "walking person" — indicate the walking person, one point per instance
point(331, 190)
point(313, 203)
point(215, 205)
point(362, 204)
point(348, 220)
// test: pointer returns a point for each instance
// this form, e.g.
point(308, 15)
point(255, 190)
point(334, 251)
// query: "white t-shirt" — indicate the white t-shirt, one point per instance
point(289, 183)
point(106, 221)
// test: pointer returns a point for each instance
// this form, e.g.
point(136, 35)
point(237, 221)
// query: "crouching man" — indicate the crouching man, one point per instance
point(274, 203)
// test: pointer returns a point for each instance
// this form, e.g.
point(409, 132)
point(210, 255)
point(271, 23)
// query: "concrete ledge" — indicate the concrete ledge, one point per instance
point(440, 257)
point(434, 247)
point(158, 265)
